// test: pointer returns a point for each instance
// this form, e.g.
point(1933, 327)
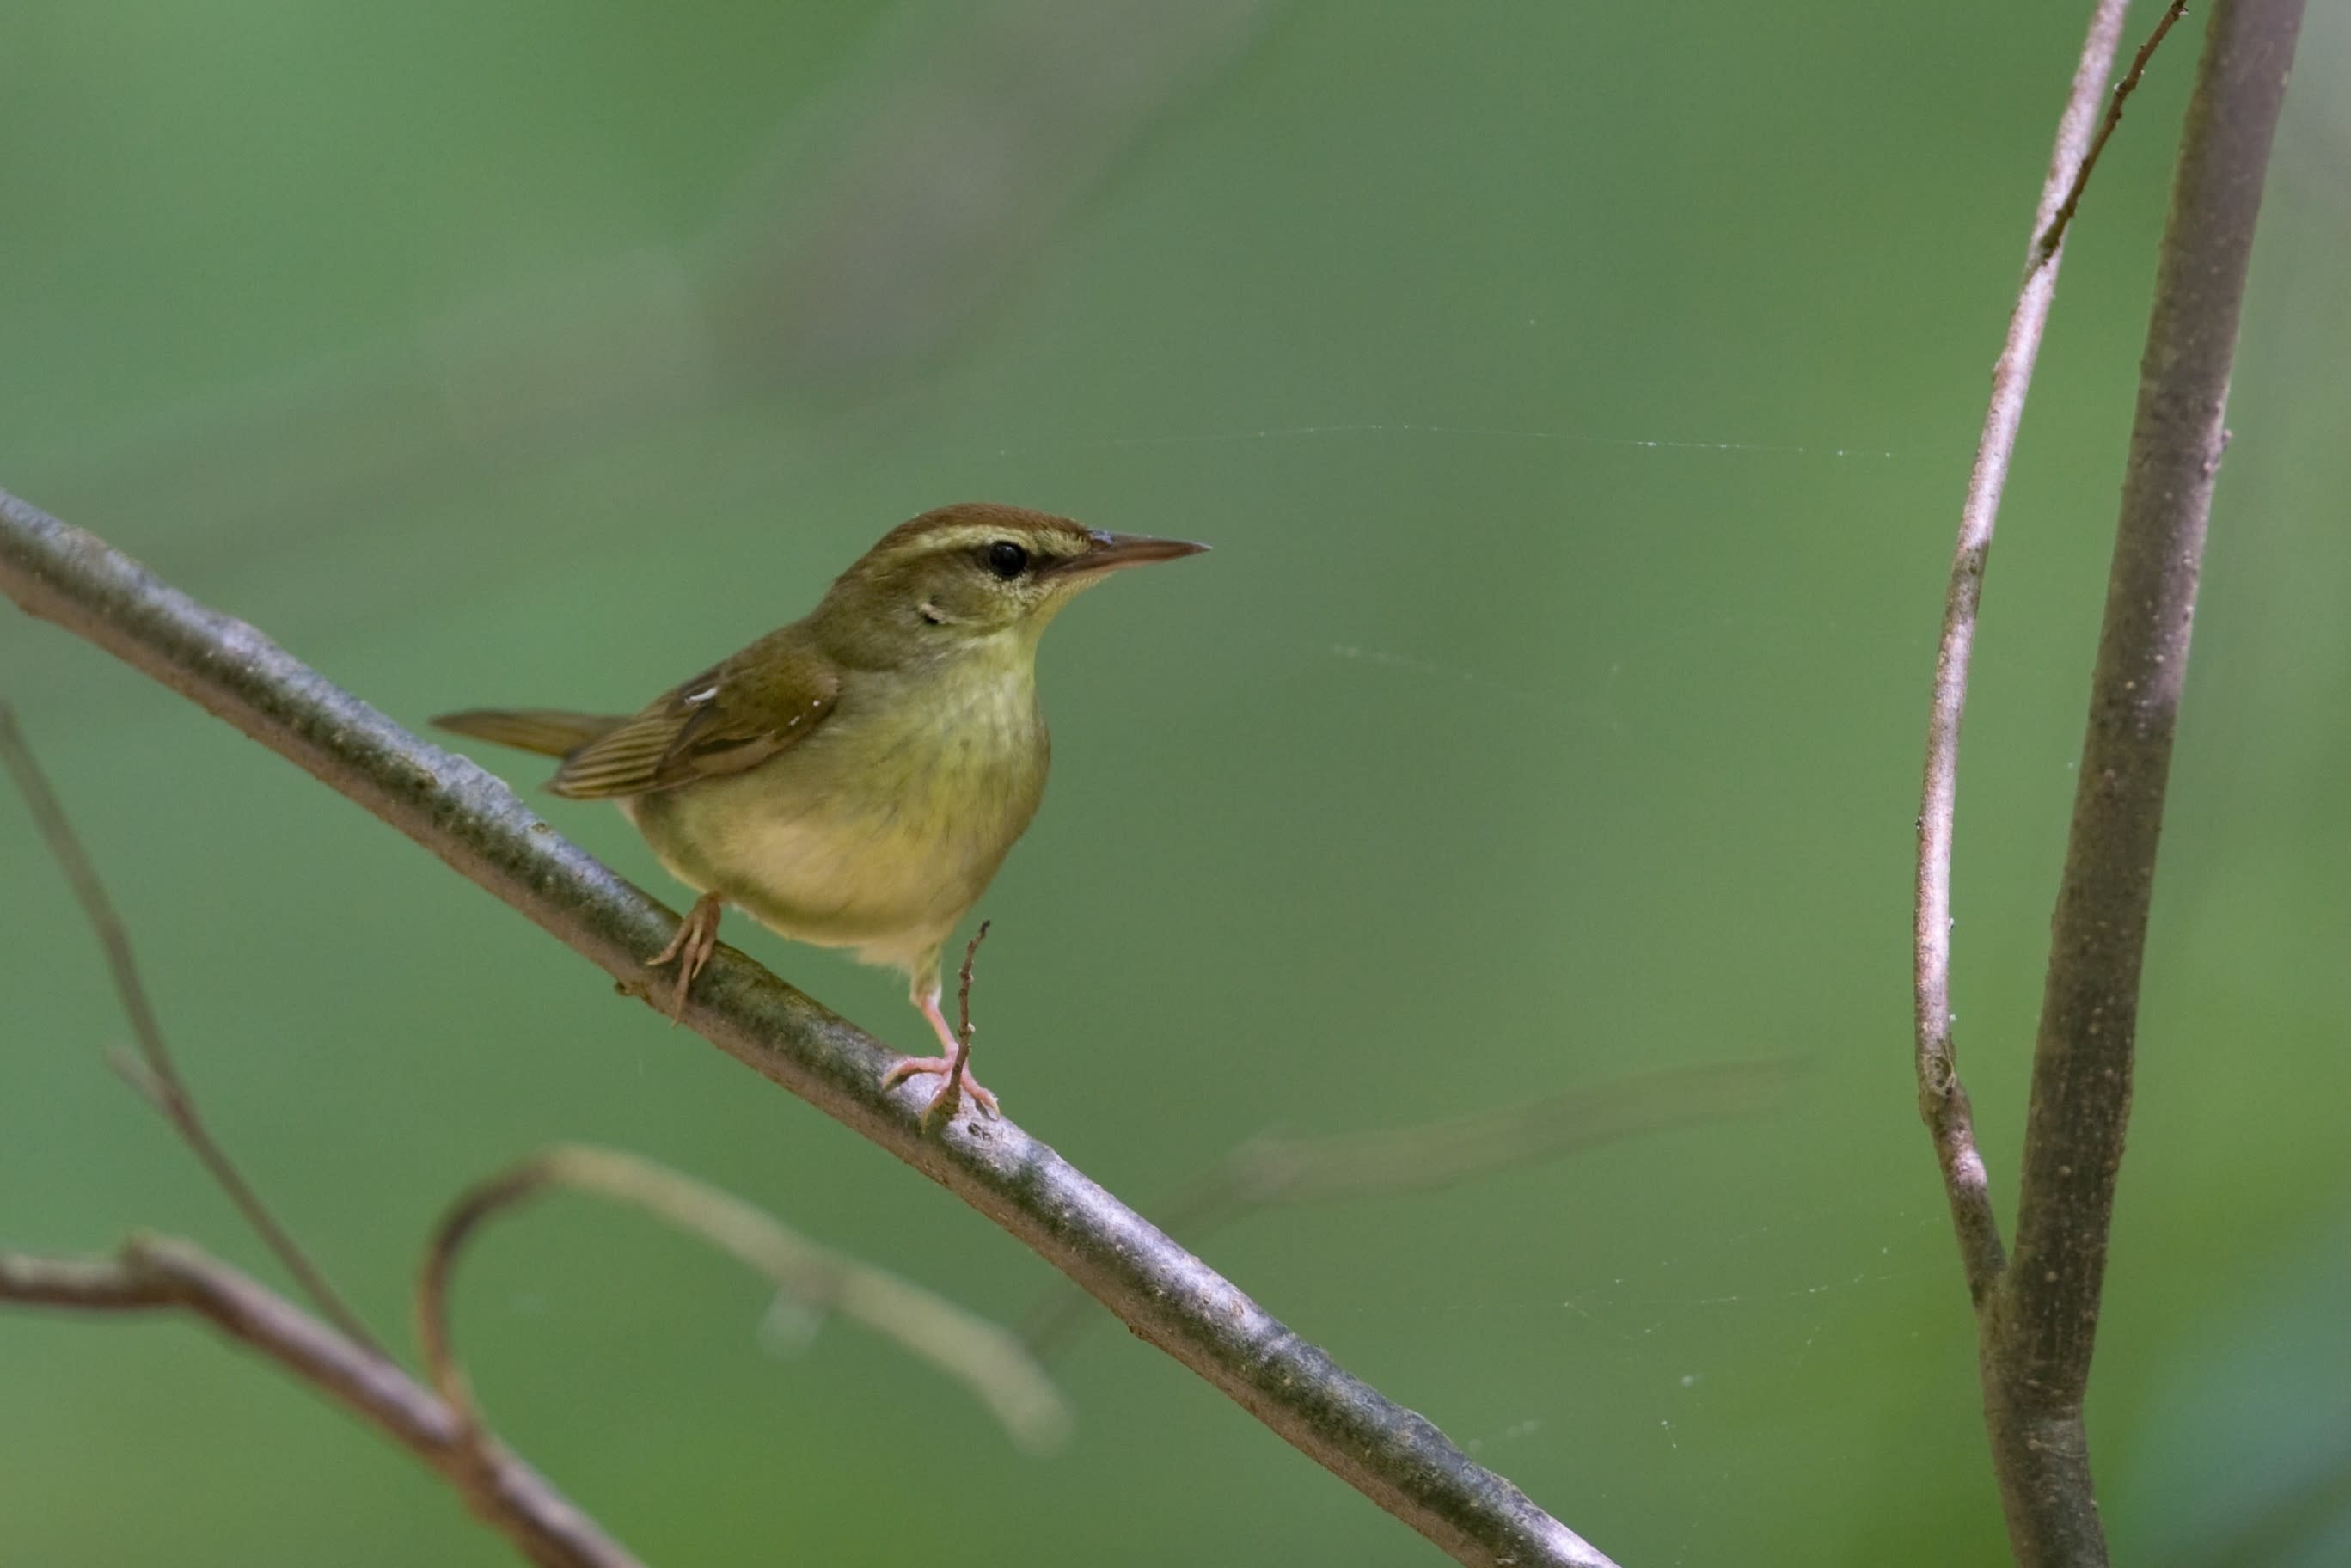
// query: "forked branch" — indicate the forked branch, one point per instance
point(155, 1074)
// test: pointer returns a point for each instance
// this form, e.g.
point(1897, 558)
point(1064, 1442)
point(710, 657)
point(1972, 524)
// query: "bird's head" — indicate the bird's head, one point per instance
point(977, 572)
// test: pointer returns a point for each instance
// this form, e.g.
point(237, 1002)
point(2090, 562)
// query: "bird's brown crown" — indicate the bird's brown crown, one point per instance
point(970, 524)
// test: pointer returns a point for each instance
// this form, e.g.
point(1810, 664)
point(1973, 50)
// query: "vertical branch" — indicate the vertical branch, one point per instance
point(1942, 1101)
point(2038, 1337)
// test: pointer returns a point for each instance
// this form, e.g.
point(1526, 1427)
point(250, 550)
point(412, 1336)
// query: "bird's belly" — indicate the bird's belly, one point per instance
point(891, 878)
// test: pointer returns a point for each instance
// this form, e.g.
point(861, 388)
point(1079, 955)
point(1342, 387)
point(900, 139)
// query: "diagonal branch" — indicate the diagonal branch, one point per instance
point(476, 824)
point(154, 1274)
point(2038, 1336)
point(1942, 1099)
point(155, 1075)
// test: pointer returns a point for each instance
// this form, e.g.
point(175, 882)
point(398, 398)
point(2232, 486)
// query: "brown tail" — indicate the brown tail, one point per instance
point(548, 731)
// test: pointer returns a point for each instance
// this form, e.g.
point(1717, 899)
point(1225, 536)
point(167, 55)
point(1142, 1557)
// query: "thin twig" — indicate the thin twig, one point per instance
point(950, 1097)
point(979, 1353)
point(1280, 1172)
point(2038, 1336)
point(154, 1076)
point(151, 1274)
point(1942, 1099)
point(1395, 1457)
point(2054, 235)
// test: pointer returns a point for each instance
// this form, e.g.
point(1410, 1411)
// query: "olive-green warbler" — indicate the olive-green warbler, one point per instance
point(855, 780)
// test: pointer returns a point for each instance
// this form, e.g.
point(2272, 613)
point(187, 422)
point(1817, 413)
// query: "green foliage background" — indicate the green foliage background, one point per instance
point(1580, 399)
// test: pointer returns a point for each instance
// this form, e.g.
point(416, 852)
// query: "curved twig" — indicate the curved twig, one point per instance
point(158, 1274)
point(1942, 1099)
point(474, 822)
point(979, 1353)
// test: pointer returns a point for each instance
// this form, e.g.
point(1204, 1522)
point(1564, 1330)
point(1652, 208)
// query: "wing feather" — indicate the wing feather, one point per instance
point(723, 720)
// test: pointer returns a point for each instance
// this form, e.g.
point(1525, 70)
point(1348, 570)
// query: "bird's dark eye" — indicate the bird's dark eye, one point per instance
point(1005, 559)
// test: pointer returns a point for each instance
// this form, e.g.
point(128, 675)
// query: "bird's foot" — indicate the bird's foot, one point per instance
point(954, 1068)
point(690, 949)
point(953, 1084)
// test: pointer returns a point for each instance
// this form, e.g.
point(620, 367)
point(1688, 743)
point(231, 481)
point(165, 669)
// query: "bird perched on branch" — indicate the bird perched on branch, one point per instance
point(855, 778)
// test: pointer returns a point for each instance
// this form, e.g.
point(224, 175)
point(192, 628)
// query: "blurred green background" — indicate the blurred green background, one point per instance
point(1579, 399)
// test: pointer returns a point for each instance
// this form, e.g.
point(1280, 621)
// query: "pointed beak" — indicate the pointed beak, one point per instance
point(1112, 552)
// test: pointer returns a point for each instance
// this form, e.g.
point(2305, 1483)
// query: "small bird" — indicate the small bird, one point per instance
point(855, 778)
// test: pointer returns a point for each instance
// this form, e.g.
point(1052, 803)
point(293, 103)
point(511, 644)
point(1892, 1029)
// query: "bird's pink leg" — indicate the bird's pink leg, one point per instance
point(944, 1066)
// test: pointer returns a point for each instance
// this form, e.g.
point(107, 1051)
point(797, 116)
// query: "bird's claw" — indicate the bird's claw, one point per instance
point(955, 1084)
point(690, 949)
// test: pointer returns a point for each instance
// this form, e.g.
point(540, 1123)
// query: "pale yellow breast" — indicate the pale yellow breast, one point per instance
point(882, 828)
